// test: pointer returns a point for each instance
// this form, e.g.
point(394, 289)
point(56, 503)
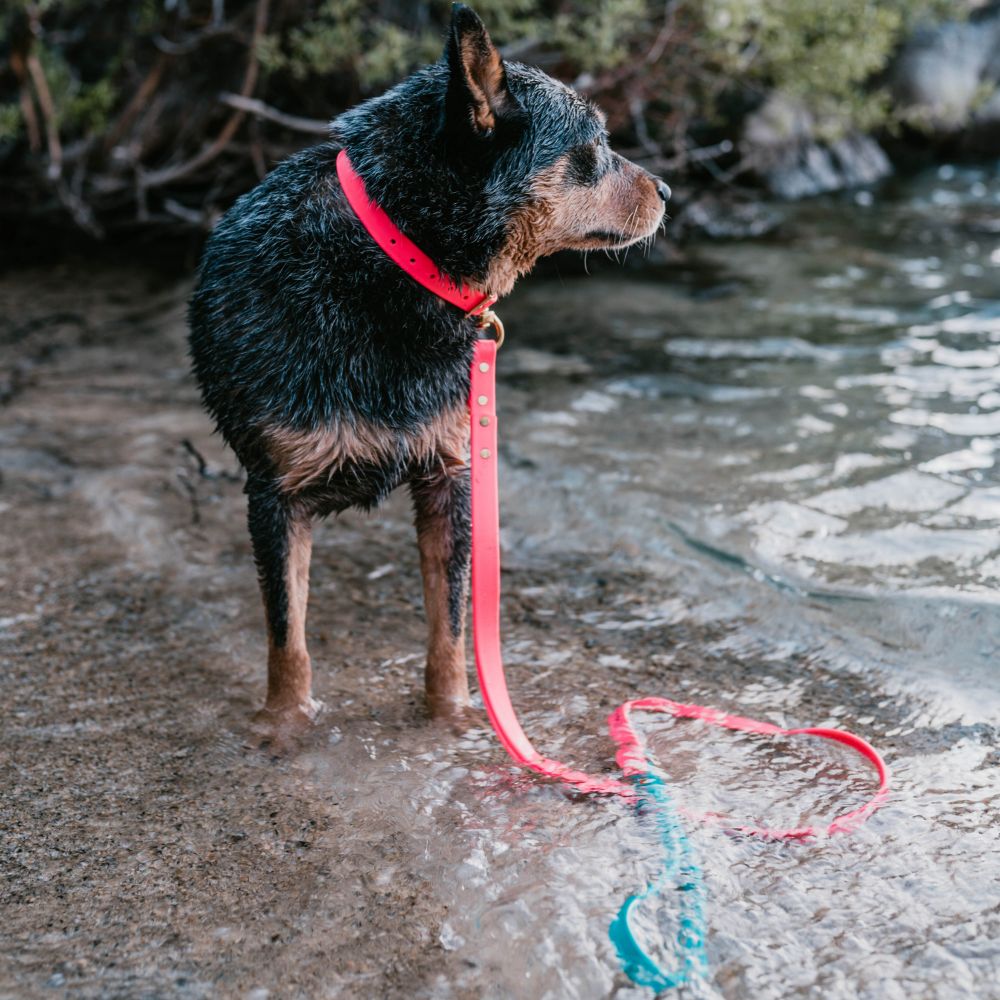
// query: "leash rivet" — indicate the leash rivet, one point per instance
point(483, 366)
point(484, 421)
point(485, 453)
point(482, 400)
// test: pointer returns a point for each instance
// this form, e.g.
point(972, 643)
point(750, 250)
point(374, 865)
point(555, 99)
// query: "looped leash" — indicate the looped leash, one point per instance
point(680, 872)
point(489, 662)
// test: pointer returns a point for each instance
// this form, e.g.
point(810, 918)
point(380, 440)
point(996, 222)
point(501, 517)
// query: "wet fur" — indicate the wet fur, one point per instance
point(333, 376)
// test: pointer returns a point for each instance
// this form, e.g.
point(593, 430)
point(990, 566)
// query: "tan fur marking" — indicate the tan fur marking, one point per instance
point(484, 75)
point(560, 214)
point(446, 682)
point(289, 669)
point(309, 458)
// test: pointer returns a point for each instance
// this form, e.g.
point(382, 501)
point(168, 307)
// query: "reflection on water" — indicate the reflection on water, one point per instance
point(854, 385)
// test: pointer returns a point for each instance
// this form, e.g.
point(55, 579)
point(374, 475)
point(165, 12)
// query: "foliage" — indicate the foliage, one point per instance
point(821, 53)
point(600, 36)
point(10, 121)
point(343, 36)
point(663, 69)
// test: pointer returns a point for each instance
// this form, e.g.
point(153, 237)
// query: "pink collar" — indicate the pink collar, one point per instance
point(403, 250)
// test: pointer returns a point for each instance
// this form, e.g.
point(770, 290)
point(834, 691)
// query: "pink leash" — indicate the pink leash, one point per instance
point(631, 755)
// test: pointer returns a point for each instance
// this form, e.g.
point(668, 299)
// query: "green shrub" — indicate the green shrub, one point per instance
point(667, 71)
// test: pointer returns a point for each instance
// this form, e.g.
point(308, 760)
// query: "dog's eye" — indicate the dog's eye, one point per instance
point(584, 164)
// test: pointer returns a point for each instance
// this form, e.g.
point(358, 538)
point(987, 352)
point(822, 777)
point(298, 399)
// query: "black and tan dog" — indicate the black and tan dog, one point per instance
point(334, 376)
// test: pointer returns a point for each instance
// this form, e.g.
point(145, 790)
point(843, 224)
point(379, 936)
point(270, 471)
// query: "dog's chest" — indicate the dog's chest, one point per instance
point(315, 457)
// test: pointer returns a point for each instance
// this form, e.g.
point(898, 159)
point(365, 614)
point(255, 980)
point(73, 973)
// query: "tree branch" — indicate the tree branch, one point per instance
point(45, 102)
point(252, 106)
point(139, 100)
point(169, 174)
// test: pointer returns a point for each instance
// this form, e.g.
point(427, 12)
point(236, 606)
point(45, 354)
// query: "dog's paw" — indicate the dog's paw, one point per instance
point(281, 731)
point(456, 716)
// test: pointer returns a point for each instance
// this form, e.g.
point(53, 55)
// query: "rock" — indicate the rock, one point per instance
point(781, 145)
point(947, 77)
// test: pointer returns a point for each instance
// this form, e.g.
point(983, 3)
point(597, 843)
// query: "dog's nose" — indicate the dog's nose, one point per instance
point(662, 189)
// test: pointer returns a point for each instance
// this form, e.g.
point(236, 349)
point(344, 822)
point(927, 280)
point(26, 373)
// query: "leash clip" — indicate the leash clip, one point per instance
point(488, 318)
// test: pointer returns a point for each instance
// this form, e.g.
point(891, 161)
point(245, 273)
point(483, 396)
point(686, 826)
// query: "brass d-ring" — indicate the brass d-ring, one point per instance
point(488, 318)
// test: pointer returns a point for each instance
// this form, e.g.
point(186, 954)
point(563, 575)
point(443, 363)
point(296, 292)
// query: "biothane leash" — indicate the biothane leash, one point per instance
point(645, 782)
point(631, 755)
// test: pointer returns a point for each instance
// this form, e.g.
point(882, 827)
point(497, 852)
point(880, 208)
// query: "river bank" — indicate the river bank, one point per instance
point(760, 476)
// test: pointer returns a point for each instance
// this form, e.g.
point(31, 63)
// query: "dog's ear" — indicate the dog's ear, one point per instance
point(478, 96)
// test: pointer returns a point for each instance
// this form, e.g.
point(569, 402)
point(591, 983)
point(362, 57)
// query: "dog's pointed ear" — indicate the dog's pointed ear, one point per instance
point(478, 96)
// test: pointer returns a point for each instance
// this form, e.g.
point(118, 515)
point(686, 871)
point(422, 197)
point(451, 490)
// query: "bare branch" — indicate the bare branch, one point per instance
point(252, 106)
point(19, 66)
point(169, 174)
point(189, 215)
point(637, 108)
point(82, 214)
point(139, 100)
point(48, 107)
point(193, 41)
point(663, 36)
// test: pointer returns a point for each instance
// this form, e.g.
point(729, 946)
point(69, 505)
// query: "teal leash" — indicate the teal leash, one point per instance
point(680, 873)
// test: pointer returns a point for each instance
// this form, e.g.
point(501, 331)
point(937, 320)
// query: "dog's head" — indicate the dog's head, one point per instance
point(493, 164)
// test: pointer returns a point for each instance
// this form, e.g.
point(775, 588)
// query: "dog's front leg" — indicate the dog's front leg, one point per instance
point(282, 544)
point(441, 506)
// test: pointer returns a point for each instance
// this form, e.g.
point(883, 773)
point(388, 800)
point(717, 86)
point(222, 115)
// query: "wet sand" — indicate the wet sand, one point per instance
point(150, 850)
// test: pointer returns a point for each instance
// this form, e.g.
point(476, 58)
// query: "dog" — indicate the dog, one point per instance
point(335, 377)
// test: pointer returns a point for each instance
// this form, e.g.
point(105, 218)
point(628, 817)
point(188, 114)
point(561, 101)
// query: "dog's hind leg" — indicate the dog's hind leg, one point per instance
point(441, 506)
point(282, 543)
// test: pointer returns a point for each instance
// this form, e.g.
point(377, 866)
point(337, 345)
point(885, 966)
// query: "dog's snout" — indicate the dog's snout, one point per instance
point(662, 189)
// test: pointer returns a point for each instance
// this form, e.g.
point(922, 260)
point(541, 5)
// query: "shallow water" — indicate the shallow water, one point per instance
point(761, 478)
point(801, 439)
